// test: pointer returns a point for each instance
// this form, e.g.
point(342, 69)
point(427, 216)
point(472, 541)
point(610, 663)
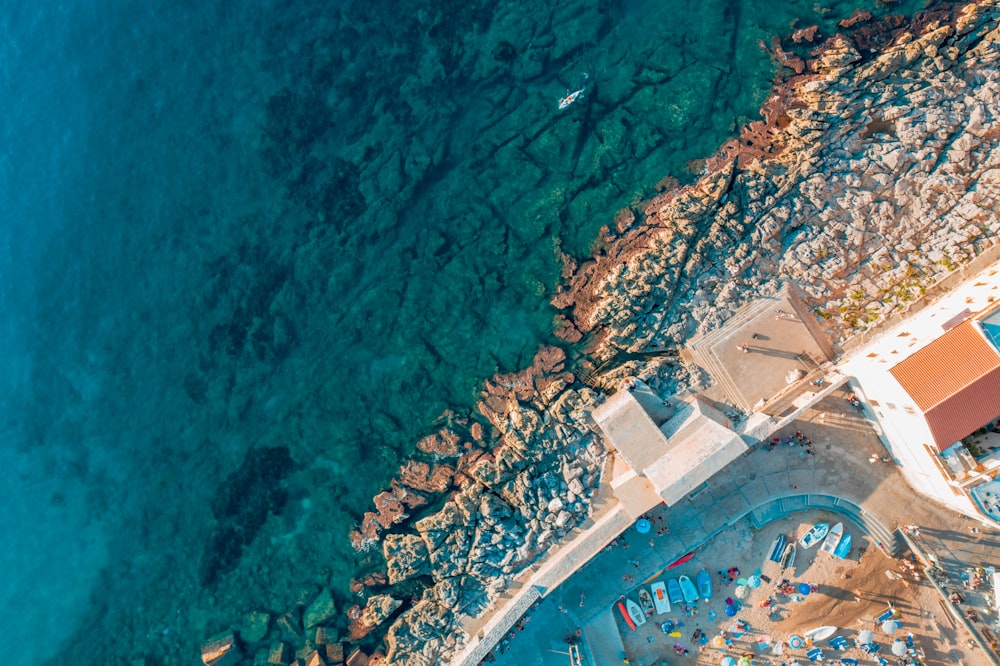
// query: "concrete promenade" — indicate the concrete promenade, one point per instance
point(764, 485)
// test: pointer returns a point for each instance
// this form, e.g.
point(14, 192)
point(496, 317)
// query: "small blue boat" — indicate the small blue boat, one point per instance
point(674, 591)
point(705, 584)
point(844, 547)
point(777, 548)
point(688, 590)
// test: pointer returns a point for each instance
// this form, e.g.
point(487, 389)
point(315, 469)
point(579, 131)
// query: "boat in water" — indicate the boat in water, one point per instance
point(570, 98)
point(705, 584)
point(646, 601)
point(814, 535)
point(674, 591)
point(844, 547)
point(688, 590)
point(832, 539)
point(660, 600)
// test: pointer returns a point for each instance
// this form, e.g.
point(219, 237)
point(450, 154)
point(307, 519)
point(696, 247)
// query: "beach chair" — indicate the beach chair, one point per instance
point(882, 661)
point(909, 640)
point(815, 654)
point(886, 615)
point(838, 643)
point(848, 661)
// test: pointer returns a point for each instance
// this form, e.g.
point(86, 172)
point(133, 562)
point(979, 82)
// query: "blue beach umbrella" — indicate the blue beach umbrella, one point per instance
point(753, 581)
point(730, 610)
point(728, 661)
point(804, 588)
point(642, 526)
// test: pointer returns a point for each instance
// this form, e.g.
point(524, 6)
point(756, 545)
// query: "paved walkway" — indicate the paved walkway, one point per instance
point(843, 442)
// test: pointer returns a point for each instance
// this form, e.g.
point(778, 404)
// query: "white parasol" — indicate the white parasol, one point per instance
point(898, 648)
point(865, 637)
point(890, 626)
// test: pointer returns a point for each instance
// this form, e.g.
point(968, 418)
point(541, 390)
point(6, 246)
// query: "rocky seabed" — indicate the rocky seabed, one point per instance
point(873, 176)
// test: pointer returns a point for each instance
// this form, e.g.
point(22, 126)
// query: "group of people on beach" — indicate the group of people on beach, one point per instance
point(798, 439)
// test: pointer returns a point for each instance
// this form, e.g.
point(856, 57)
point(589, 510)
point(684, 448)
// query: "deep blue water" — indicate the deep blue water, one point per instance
point(295, 226)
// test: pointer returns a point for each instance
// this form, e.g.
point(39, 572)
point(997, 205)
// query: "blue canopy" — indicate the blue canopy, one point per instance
point(804, 588)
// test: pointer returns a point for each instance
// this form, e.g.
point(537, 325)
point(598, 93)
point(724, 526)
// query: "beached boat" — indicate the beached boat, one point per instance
point(814, 535)
point(660, 600)
point(844, 547)
point(634, 612)
point(777, 548)
point(688, 590)
point(625, 616)
point(674, 591)
point(646, 601)
point(788, 559)
point(705, 584)
point(820, 633)
point(832, 539)
point(681, 560)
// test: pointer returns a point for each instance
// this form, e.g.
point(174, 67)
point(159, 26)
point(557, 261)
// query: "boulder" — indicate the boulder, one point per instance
point(280, 653)
point(321, 610)
point(406, 557)
point(423, 477)
point(221, 650)
point(254, 626)
point(378, 609)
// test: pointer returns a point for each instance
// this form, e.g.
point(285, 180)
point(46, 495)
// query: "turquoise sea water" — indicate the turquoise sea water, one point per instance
point(301, 228)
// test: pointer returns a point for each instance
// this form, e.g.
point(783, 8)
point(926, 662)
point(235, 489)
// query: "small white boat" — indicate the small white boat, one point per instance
point(635, 612)
point(814, 535)
point(660, 600)
point(820, 633)
point(570, 98)
point(788, 559)
point(646, 601)
point(832, 539)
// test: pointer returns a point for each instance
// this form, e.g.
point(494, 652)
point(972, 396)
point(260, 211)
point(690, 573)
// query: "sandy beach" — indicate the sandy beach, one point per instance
point(849, 594)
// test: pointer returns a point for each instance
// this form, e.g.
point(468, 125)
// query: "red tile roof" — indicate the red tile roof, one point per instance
point(955, 382)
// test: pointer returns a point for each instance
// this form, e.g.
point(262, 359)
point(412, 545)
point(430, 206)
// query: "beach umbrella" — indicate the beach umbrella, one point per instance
point(642, 526)
point(795, 642)
point(728, 661)
point(753, 581)
point(731, 610)
point(741, 591)
point(898, 648)
point(865, 637)
point(741, 581)
point(745, 661)
point(804, 589)
point(890, 626)
point(718, 641)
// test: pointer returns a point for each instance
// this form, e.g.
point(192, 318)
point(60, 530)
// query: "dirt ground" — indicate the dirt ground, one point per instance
point(848, 594)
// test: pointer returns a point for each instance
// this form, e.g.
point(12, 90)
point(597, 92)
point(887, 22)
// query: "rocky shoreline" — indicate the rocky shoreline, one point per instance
point(872, 176)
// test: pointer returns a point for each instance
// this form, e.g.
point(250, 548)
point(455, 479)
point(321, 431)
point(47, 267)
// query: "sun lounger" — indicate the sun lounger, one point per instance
point(815, 654)
point(886, 615)
point(847, 661)
point(838, 643)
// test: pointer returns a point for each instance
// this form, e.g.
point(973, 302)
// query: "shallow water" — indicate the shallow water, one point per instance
point(302, 226)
